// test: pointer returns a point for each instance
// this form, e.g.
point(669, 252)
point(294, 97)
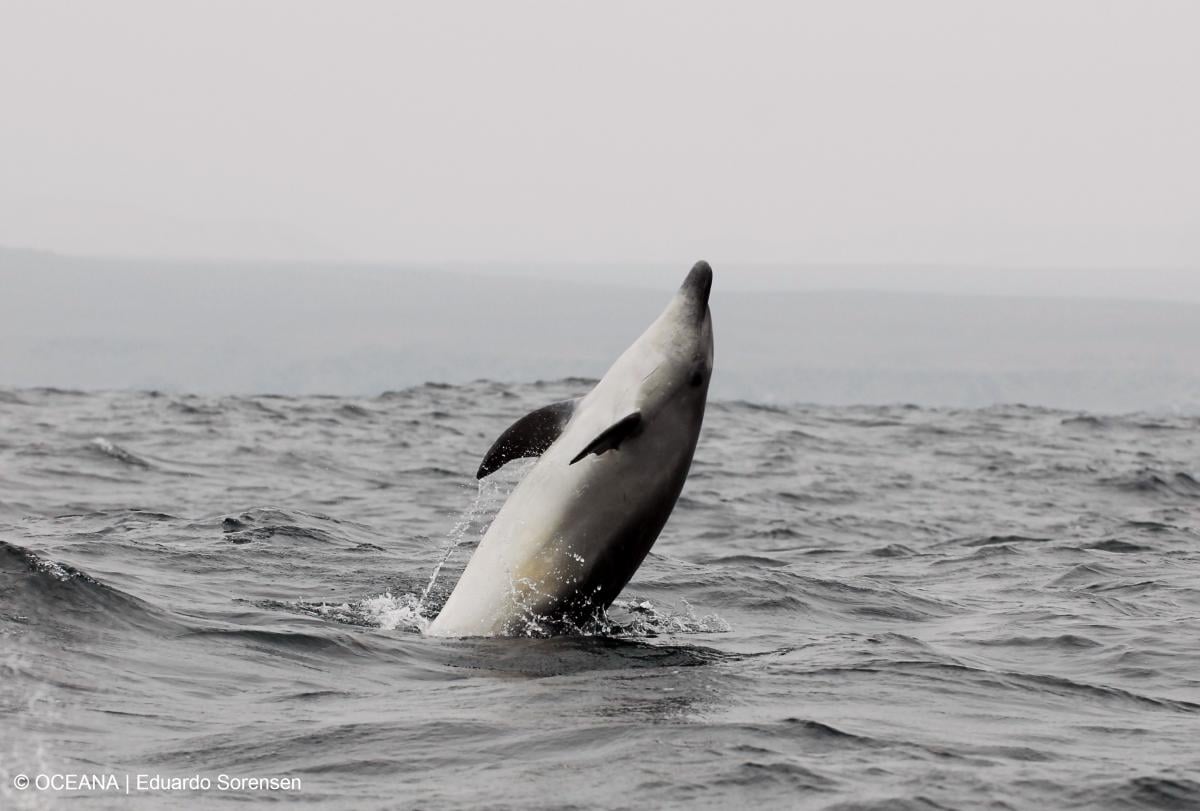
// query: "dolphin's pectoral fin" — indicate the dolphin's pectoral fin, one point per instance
point(611, 437)
point(528, 436)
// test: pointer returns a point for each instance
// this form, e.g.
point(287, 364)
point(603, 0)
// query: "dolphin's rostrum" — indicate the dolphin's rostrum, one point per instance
point(612, 465)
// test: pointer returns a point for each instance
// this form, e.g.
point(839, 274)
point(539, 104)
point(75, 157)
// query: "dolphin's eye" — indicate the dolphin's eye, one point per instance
point(696, 379)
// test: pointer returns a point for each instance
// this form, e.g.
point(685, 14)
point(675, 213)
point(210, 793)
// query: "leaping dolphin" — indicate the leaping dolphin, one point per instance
point(575, 529)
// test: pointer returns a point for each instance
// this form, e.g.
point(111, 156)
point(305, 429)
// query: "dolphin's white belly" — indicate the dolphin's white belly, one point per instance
point(552, 541)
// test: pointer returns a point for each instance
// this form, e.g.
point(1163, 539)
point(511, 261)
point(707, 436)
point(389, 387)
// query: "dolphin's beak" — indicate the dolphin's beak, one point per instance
point(698, 284)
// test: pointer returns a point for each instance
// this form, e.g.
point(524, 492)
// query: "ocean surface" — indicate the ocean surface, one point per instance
point(851, 607)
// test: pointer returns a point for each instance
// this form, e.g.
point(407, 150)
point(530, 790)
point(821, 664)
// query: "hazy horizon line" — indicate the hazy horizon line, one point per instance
point(770, 404)
point(215, 259)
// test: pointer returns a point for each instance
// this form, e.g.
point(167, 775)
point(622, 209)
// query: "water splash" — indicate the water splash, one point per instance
point(491, 494)
point(638, 617)
point(384, 611)
point(635, 618)
point(390, 613)
point(453, 540)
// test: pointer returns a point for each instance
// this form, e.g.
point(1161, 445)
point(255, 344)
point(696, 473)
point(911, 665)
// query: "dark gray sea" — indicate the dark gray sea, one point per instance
point(858, 607)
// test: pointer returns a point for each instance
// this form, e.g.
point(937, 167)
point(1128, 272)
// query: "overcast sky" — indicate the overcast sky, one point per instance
point(1006, 134)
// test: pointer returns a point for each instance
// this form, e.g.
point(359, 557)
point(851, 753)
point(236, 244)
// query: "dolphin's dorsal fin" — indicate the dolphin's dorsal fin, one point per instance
point(611, 437)
point(528, 436)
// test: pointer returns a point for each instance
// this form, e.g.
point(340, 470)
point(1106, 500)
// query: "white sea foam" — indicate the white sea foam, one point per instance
point(110, 448)
point(640, 617)
point(385, 611)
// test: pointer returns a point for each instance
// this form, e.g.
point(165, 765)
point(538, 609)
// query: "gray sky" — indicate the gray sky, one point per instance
point(1007, 133)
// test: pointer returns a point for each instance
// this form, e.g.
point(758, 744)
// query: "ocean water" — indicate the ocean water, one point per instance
point(859, 607)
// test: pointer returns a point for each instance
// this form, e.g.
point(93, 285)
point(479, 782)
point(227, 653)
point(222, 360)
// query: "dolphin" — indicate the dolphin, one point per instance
point(578, 525)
